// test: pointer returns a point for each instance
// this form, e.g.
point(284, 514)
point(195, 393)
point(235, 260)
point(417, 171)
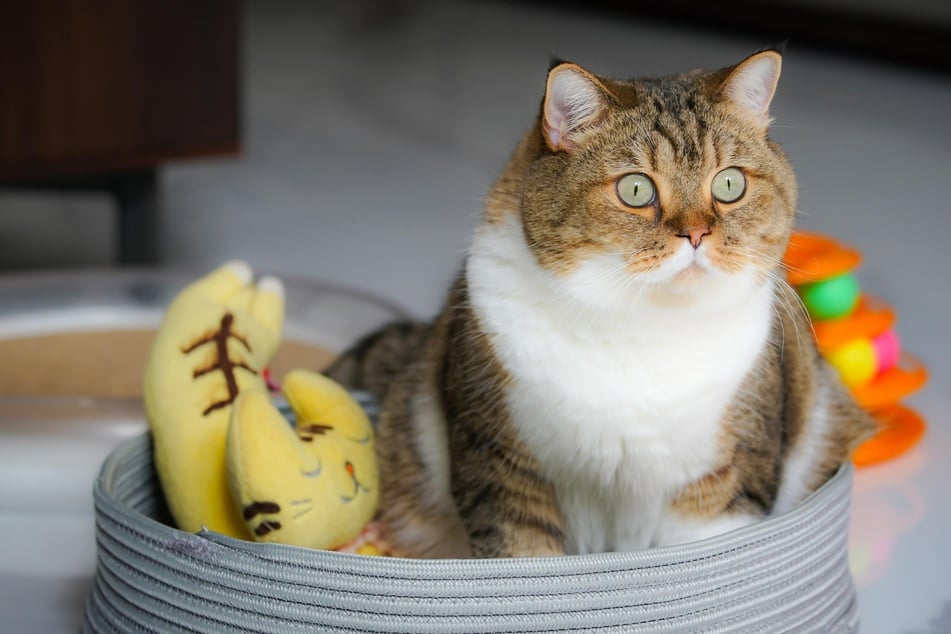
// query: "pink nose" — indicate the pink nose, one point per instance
point(695, 235)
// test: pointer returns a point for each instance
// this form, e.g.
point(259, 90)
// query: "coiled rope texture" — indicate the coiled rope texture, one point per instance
point(785, 574)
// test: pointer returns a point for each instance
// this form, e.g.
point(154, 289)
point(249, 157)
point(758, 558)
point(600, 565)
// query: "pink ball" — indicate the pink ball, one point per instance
point(887, 350)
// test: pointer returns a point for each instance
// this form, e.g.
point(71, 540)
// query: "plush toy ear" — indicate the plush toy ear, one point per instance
point(751, 85)
point(574, 102)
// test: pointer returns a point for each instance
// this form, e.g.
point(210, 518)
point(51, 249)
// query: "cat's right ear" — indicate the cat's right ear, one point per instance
point(574, 102)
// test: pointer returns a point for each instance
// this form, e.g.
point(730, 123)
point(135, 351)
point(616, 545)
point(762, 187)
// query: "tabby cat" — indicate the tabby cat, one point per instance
point(620, 364)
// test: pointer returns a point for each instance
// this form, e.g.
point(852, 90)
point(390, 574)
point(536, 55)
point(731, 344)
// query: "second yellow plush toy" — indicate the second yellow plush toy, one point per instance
point(315, 485)
point(227, 459)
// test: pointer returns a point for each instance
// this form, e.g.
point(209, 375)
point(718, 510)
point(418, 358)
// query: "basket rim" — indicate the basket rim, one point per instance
point(829, 499)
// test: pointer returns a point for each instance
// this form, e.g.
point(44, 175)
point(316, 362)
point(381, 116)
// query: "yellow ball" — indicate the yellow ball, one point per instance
point(856, 362)
point(370, 549)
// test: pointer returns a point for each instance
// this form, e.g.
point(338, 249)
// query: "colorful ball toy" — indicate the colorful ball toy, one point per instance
point(831, 298)
point(856, 335)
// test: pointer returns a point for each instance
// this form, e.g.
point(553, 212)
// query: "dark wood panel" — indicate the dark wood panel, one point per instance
point(91, 86)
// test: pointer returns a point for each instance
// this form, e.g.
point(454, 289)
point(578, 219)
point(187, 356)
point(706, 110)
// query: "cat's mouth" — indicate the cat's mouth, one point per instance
point(692, 273)
point(683, 269)
point(689, 266)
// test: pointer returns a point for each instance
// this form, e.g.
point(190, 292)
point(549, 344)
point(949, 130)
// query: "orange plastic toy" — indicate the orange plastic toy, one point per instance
point(856, 334)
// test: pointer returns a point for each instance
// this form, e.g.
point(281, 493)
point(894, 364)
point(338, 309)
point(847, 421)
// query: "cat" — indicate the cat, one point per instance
point(620, 363)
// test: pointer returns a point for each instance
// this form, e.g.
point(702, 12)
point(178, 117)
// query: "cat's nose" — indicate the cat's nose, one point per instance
point(695, 235)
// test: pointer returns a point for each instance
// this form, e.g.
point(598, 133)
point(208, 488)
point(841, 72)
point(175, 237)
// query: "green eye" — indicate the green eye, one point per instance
point(635, 190)
point(729, 185)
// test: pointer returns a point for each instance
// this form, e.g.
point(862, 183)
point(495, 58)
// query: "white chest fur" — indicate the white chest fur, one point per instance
point(619, 399)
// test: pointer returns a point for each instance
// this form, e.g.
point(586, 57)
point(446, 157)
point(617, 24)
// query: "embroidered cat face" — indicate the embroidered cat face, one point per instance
point(659, 188)
point(315, 484)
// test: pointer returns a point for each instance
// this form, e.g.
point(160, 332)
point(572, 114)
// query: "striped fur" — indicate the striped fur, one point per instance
point(596, 381)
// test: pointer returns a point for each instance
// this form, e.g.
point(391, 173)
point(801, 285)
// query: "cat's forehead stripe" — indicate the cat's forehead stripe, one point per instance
point(669, 116)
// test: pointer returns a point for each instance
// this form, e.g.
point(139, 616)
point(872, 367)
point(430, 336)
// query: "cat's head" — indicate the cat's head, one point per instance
point(669, 184)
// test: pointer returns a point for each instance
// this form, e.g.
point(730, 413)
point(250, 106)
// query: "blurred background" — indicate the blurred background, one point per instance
point(353, 143)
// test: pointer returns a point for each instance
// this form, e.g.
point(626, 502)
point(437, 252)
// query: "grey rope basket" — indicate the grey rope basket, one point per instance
point(786, 574)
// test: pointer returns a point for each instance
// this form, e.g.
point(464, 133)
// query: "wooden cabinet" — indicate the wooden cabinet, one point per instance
point(100, 93)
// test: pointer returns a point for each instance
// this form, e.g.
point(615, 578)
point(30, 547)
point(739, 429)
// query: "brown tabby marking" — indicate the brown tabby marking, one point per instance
point(266, 526)
point(384, 353)
point(456, 478)
point(307, 432)
point(570, 210)
point(222, 361)
point(505, 505)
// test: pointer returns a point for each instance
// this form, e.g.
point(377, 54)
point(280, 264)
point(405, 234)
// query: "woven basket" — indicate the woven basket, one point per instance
point(788, 573)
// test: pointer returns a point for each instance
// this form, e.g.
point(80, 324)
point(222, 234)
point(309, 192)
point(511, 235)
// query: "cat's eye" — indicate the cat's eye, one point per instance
point(729, 185)
point(636, 190)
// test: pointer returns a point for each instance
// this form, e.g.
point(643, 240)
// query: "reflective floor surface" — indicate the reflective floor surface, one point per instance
point(373, 131)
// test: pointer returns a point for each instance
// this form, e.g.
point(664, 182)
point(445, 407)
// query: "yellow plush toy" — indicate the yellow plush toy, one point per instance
point(314, 486)
point(227, 459)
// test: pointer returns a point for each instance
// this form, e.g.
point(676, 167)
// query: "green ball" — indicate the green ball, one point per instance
point(831, 298)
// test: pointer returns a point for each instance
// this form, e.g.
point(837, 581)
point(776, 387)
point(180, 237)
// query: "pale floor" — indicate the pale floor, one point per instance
point(374, 129)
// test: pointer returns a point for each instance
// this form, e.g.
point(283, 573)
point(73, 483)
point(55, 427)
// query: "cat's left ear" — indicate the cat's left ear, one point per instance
point(575, 101)
point(751, 85)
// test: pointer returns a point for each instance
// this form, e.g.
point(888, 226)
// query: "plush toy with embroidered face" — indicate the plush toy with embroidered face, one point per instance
point(227, 459)
point(314, 485)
